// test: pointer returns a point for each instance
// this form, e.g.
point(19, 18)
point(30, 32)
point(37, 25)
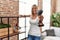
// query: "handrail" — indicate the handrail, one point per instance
point(24, 16)
point(15, 16)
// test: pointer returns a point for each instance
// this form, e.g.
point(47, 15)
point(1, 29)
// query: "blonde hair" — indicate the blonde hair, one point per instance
point(32, 8)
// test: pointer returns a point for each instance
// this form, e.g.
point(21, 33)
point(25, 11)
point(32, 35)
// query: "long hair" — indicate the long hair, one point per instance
point(32, 9)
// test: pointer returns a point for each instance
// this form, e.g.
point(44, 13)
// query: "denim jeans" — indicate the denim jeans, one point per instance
point(31, 37)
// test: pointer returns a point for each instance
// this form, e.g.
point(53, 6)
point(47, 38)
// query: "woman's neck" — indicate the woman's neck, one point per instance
point(34, 16)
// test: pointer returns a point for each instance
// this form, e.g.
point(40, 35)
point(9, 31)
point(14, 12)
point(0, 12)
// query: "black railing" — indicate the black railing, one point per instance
point(8, 17)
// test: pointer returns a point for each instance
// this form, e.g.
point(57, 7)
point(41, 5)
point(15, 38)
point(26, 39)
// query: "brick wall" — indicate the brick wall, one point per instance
point(40, 4)
point(53, 6)
point(9, 8)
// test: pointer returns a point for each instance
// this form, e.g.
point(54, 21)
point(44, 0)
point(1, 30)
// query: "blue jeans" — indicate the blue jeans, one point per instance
point(31, 37)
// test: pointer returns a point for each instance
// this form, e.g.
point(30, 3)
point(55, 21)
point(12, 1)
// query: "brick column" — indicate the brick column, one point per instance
point(40, 4)
point(53, 6)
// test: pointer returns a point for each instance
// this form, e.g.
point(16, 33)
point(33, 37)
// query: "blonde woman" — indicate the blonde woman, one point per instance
point(35, 30)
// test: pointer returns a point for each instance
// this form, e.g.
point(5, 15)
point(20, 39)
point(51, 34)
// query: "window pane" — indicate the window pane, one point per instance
point(25, 6)
point(27, 26)
point(46, 13)
point(22, 24)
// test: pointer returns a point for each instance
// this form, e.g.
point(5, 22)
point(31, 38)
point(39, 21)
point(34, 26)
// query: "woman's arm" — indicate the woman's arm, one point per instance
point(40, 23)
point(41, 29)
point(41, 18)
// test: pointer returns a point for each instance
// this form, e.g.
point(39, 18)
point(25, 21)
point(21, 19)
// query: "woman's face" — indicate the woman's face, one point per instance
point(34, 9)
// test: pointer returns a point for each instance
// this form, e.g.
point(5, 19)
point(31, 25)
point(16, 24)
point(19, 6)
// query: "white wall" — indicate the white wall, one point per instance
point(25, 6)
point(46, 13)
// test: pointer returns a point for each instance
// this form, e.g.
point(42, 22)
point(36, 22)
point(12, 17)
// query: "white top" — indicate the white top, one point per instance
point(34, 28)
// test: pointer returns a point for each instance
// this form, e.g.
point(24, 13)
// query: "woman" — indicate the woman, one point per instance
point(35, 30)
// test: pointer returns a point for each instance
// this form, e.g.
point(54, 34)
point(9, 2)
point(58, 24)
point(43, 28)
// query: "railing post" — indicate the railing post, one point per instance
point(8, 28)
point(18, 26)
point(1, 19)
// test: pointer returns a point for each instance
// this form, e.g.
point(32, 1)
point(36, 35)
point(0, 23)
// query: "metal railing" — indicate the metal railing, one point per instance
point(8, 17)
